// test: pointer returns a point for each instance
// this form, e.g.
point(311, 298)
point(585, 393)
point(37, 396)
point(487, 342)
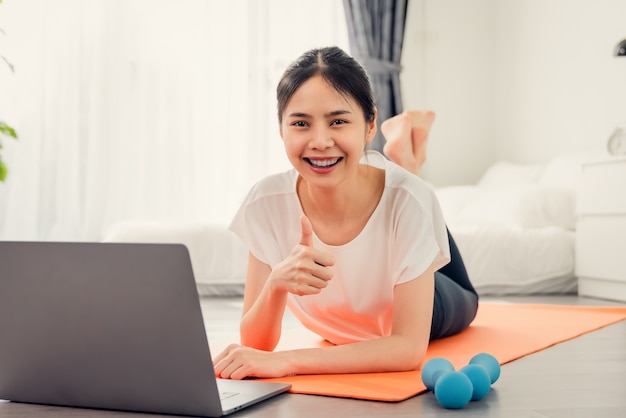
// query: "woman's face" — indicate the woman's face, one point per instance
point(324, 133)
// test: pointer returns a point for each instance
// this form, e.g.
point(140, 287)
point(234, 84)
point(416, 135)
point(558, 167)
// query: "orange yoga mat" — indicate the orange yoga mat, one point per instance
point(507, 331)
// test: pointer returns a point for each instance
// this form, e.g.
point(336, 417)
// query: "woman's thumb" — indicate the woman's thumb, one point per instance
point(307, 231)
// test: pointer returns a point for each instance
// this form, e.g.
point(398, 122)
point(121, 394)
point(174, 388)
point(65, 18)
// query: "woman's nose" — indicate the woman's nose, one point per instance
point(321, 138)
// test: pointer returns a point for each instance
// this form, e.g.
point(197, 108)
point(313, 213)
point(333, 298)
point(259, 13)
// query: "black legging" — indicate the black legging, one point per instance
point(456, 301)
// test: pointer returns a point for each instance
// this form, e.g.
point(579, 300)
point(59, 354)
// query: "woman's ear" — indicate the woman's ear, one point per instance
point(371, 128)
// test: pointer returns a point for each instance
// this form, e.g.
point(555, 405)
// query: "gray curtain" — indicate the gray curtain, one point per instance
point(376, 31)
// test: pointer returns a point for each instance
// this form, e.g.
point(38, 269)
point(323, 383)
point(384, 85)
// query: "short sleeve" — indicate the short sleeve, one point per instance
point(268, 220)
point(420, 235)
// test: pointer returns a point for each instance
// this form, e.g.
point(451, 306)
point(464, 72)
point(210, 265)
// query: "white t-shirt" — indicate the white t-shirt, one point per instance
point(404, 235)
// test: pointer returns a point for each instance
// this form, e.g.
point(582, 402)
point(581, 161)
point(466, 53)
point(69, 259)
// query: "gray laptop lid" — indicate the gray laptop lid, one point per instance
point(107, 325)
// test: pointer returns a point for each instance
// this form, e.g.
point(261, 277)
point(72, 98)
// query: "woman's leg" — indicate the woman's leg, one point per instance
point(455, 269)
point(456, 300)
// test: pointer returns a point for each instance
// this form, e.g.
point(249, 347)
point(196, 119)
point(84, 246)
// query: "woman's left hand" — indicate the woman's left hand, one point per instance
point(238, 362)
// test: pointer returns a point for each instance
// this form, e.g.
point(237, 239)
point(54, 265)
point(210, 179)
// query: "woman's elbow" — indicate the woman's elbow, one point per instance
point(409, 358)
point(413, 362)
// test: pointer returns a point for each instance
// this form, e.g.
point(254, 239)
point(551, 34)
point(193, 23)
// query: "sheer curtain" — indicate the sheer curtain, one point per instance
point(144, 109)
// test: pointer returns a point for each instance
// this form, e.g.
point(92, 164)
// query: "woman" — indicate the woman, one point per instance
point(352, 243)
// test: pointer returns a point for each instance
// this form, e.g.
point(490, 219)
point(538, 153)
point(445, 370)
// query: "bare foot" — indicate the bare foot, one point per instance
point(406, 136)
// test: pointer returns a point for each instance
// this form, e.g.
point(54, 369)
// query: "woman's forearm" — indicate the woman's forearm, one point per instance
point(385, 354)
point(261, 325)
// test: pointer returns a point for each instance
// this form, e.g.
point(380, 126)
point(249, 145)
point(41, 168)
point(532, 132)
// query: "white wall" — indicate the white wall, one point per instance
point(559, 88)
point(522, 80)
point(448, 64)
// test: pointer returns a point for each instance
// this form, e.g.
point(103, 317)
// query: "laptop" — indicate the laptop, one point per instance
point(110, 326)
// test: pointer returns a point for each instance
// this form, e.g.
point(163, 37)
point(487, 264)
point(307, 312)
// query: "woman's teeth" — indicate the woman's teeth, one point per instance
point(323, 163)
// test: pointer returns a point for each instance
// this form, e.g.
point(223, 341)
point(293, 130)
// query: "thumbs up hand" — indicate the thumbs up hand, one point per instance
point(306, 238)
point(306, 270)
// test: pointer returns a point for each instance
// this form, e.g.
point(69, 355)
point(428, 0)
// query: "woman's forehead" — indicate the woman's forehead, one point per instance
point(316, 94)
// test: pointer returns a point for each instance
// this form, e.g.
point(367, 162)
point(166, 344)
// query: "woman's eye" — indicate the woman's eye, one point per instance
point(338, 122)
point(299, 123)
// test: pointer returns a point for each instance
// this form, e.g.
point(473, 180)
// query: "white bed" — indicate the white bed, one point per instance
point(218, 257)
point(514, 229)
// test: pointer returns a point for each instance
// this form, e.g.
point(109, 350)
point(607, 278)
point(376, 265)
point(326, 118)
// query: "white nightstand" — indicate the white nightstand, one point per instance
point(601, 230)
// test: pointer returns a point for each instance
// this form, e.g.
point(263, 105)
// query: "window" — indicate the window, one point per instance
point(145, 109)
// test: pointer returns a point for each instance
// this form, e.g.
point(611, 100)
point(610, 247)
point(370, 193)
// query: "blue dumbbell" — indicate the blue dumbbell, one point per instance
point(455, 389)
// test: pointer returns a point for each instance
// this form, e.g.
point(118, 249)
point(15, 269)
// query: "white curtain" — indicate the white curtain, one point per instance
point(144, 109)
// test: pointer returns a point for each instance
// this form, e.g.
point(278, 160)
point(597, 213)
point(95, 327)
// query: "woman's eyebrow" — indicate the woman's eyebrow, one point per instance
point(298, 115)
point(326, 115)
point(337, 113)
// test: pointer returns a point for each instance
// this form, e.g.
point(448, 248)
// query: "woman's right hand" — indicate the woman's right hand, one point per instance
point(306, 270)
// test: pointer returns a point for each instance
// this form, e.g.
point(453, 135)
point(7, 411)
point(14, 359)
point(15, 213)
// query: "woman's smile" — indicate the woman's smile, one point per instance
point(322, 165)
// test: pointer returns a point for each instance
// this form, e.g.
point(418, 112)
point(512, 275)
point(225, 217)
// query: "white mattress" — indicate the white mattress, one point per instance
point(513, 260)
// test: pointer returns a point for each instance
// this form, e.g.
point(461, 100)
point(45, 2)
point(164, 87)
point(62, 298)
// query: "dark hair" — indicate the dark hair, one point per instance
point(337, 68)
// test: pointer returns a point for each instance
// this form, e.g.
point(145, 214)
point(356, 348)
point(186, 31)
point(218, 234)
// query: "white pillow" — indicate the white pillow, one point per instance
point(505, 173)
point(526, 205)
point(564, 171)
